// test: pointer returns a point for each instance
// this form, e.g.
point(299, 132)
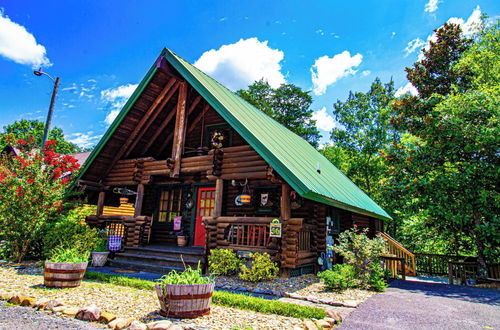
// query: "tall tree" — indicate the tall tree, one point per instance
point(24, 129)
point(436, 72)
point(287, 104)
point(446, 166)
point(363, 132)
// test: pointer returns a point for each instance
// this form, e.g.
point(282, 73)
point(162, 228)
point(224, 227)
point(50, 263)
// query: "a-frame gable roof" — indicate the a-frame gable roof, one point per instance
point(294, 159)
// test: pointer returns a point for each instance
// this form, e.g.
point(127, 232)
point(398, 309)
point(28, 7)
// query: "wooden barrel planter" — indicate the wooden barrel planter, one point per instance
point(185, 301)
point(63, 275)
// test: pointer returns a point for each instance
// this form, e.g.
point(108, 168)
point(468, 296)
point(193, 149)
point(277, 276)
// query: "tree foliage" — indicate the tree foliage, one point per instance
point(32, 189)
point(25, 129)
point(446, 165)
point(287, 104)
point(362, 133)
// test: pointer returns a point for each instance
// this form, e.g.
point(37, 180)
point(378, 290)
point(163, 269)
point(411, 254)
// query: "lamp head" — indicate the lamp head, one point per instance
point(38, 72)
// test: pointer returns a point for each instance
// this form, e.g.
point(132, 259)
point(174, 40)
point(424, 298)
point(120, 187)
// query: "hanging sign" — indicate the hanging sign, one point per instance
point(275, 228)
point(177, 223)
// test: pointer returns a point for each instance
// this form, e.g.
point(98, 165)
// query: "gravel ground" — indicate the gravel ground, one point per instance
point(318, 290)
point(129, 302)
point(418, 305)
point(28, 319)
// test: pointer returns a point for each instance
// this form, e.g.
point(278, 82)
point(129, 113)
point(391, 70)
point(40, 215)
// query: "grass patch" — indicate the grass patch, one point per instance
point(261, 305)
point(222, 298)
point(120, 280)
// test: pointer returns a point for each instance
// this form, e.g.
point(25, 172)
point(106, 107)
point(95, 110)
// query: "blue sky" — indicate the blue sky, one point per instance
point(102, 49)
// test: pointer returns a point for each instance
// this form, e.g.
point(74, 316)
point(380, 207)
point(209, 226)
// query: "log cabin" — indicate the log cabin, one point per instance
point(199, 163)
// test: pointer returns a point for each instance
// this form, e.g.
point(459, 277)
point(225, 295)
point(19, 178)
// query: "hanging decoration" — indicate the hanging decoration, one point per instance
point(217, 139)
point(245, 198)
point(296, 200)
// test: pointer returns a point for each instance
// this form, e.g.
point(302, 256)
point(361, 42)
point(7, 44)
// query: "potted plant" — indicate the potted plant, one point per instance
point(66, 267)
point(185, 295)
point(100, 253)
point(181, 239)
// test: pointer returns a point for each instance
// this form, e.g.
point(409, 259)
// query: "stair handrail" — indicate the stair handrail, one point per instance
point(409, 255)
point(393, 241)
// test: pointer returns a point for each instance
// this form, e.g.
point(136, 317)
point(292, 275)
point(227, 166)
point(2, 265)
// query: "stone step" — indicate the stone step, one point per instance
point(166, 260)
point(141, 266)
point(172, 251)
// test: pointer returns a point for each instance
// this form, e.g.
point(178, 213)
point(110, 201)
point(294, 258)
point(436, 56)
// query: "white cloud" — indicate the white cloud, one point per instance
point(117, 97)
point(472, 25)
point(324, 121)
point(20, 46)
point(240, 64)
point(393, 34)
point(84, 140)
point(406, 89)
point(327, 70)
point(413, 45)
point(431, 6)
point(366, 73)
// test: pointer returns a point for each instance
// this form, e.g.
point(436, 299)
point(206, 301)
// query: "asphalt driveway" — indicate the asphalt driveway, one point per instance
point(418, 305)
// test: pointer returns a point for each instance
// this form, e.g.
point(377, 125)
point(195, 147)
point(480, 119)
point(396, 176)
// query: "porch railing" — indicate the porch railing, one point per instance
point(467, 273)
point(135, 230)
point(305, 239)
point(252, 235)
point(434, 264)
point(394, 265)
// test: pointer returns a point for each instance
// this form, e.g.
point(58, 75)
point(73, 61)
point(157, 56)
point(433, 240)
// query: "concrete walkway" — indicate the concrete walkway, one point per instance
point(420, 305)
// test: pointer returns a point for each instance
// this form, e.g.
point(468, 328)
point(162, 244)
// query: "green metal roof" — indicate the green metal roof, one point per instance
point(290, 155)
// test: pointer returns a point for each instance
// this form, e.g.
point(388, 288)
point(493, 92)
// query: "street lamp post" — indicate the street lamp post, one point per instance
point(56, 81)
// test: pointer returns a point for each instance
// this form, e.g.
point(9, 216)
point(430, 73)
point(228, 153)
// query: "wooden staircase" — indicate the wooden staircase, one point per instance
point(395, 249)
point(158, 259)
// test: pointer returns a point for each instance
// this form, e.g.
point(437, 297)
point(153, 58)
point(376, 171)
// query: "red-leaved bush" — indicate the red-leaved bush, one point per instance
point(33, 184)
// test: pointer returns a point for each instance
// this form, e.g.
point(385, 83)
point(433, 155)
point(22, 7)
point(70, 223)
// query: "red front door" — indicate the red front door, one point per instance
point(204, 208)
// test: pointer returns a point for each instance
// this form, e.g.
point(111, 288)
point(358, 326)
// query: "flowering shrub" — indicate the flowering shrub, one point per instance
point(32, 190)
point(362, 253)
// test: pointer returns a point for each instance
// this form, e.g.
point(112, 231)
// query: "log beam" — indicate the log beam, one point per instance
point(165, 96)
point(139, 126)
point(100, 203)
point(285, 209)
point(180, 130)
point(138, 200)
point(219, 187)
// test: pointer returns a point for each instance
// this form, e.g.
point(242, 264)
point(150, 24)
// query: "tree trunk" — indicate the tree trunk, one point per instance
point(483, 270)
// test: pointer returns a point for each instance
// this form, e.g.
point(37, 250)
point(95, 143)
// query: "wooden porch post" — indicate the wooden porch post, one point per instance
point(100, 203)
point(219, 186)
point(179, 130)
point(285, 210)
point(138, 200)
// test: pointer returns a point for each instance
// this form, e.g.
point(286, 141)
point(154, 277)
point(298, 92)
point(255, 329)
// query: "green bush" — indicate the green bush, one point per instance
point(377, 278)
point(341, 277)
point(67, 234)
point(223, 262)
point(102, 241)
point(361, 252)
point(263, 268)
point(69, 255)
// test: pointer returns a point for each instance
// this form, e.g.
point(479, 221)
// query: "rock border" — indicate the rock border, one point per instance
point(92, 313)
point(89, 313)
